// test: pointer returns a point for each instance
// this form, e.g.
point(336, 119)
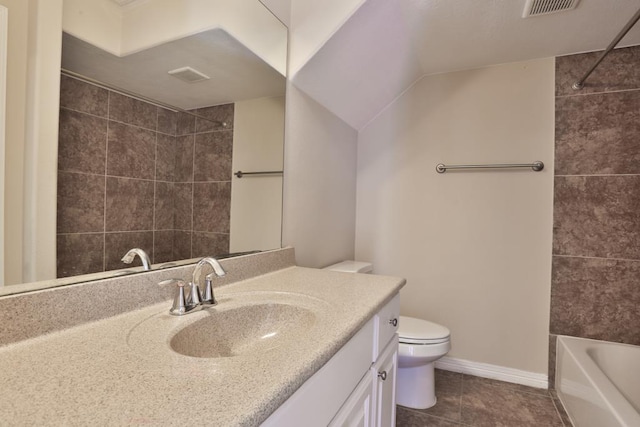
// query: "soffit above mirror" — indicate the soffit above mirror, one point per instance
point(234, 72)
point(141, 25)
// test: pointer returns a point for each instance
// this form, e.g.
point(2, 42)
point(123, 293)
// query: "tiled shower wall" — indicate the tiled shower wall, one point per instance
point(596, 234)
point(131, 174)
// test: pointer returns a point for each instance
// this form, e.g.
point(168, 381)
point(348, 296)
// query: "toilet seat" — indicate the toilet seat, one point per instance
point(421, 332)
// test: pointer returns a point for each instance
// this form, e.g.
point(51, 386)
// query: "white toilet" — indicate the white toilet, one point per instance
point(421, 344)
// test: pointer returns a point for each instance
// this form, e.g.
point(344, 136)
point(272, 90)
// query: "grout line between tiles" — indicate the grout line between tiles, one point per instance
point(461, 393)
point(460, 397)
point(104, 212)
point(599, 175)
point(604, 92)
point(559, 409)
point(155, 187)
point(417, 411)
point(193, 186)
point(558, 412)
point(595, 257)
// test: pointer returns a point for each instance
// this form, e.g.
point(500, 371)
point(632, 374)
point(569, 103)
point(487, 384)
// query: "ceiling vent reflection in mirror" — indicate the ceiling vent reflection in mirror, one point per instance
point(545, 7)
point(188, 75)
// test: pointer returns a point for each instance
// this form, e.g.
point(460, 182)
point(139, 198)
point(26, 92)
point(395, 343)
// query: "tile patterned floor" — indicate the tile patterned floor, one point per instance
point(465, 400)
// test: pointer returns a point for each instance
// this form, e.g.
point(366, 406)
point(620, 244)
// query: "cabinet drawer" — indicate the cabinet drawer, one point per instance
point(386, 325)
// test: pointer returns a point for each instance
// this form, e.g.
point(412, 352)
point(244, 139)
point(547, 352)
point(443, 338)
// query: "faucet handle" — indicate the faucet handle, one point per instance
point(195, 296)
point(179, 306)
point(208, 298)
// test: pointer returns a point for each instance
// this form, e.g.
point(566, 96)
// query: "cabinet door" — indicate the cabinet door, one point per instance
point(385, 376)
point(386, 326)
point(357, 411)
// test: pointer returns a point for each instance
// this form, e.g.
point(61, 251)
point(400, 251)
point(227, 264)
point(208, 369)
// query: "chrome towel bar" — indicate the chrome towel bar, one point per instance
point(240, 174)
point(536, 166)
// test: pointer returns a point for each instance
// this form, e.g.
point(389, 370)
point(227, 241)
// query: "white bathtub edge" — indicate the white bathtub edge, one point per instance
point(601, 393)
point(494, 372)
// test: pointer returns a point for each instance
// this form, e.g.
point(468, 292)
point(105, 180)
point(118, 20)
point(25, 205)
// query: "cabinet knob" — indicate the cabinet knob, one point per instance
point(382, 375)
point(393, 322)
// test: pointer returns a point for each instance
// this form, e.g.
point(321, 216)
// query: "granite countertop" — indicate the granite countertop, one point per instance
point(121, 371)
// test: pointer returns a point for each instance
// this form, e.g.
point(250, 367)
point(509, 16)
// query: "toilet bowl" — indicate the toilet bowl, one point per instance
point(421, 343)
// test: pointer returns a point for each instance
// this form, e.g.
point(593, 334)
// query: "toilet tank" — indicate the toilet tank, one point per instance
point(351, 267)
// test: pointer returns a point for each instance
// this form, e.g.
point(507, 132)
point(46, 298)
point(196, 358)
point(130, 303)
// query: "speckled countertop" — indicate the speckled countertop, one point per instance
point(121, 370)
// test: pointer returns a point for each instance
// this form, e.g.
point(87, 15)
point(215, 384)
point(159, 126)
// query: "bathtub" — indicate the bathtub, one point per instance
point(598, 382)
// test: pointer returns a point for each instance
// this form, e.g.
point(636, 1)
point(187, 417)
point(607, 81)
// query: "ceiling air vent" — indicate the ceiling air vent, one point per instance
point(545, 7)
point(188, 74)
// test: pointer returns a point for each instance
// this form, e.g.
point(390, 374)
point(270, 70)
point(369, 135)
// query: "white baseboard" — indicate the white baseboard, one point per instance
point(493, 372)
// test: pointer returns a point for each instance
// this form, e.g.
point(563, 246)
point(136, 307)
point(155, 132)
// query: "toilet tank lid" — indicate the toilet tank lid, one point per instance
point(351, 267)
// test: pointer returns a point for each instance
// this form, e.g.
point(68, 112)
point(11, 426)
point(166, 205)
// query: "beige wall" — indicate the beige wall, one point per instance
point(320, 183)
point(14, 136)
point(41, 140)
point(256, 202)
point(4, 29)
point(320, 150)
point(31, 138)
point(475, 247)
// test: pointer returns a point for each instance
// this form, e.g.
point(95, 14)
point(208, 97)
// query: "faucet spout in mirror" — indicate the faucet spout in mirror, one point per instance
point(144, 257)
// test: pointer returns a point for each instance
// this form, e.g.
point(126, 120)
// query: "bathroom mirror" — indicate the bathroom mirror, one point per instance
point(150, 137)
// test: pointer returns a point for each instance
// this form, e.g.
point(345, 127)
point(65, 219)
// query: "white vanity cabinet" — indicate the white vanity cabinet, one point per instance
point(384, 371)
point(357, 387)
point(373, 402)
point(360, 408)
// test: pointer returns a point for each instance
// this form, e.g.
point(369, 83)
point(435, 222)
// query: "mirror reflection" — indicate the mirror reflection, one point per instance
point(147, 149)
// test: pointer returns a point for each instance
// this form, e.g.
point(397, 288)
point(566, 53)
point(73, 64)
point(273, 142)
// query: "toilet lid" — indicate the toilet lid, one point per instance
point(418, 331)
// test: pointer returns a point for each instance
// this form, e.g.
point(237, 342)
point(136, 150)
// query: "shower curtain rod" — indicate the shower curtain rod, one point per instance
point(580, 83)
point(142, 98)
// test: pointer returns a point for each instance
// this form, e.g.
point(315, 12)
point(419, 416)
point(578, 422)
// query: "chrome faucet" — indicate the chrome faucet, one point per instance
point(129, 257)
point(184, 303)
point(208, 297)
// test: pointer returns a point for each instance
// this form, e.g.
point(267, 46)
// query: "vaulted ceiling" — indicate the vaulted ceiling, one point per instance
point(385, 46)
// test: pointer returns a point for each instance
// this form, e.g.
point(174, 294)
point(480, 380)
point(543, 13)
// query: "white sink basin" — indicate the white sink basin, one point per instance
point(243, 324)
point(241, 330)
